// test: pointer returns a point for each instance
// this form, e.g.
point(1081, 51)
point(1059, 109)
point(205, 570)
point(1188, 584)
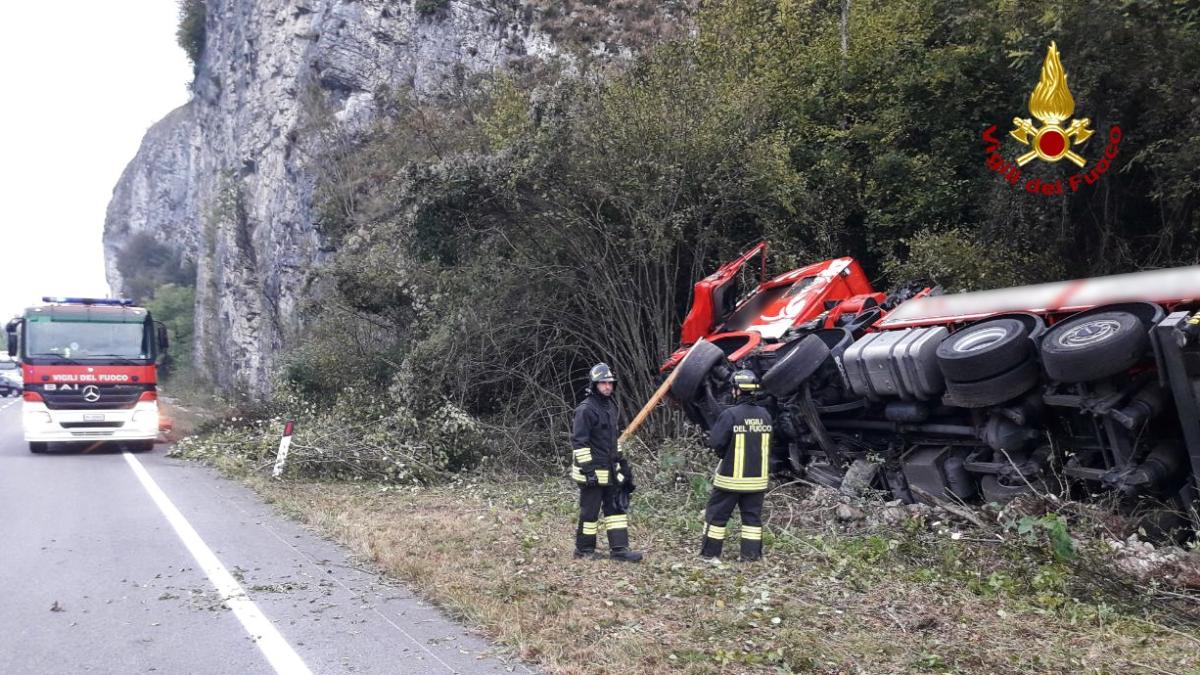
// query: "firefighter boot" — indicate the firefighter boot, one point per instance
point(751, 543)
point(585, 539)
point(617, 526)
point(714, 540)
point(625, 554)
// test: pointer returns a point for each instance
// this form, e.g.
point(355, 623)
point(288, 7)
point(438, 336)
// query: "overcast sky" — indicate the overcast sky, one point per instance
point(83, 82)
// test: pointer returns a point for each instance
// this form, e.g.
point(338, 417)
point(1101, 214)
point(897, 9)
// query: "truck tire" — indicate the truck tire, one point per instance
point(984, 350)
point(138, 447)
point(1094, 347)
point(37, 447)
point(994, 390)
point(796, 366)
point(693, 370)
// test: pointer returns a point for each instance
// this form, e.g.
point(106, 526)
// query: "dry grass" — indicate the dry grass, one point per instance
point(899, 600)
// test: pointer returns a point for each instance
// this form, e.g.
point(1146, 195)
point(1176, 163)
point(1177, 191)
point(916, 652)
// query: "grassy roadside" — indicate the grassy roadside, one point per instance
point(901, 591)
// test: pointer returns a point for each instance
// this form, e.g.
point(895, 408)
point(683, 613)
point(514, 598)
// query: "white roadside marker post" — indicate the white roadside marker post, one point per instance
point(284, 444)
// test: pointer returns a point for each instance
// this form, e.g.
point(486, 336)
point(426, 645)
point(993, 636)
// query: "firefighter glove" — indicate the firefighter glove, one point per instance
point(591, 479)
point(628, 471)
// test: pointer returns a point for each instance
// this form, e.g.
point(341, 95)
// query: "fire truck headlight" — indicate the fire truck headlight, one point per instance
point(40, 417)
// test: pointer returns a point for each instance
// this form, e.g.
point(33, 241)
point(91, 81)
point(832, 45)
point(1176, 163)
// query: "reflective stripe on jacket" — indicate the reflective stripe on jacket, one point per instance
point(742, 434)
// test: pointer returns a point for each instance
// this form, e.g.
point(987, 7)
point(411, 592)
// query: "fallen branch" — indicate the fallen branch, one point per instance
point(956, 510)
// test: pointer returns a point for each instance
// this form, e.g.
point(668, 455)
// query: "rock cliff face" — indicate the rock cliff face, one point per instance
point(225, 180)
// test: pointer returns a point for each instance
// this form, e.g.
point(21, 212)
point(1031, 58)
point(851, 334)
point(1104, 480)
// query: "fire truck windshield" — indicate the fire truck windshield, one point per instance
point(78, 340)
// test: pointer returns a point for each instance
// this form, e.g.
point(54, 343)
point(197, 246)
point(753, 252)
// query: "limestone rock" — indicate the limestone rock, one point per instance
point(848, 513)
point(224, 179)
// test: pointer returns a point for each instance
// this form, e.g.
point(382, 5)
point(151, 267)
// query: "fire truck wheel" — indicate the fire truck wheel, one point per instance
point(994, 390)
point(984, 350)
point(141, 446)
point(1094, 347)
point(37, 447)
point(796, 366)
point(694, 369)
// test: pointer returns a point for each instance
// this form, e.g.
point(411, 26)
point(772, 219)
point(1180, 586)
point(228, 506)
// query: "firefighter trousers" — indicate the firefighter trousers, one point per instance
point(716, 517)
point(616, 523)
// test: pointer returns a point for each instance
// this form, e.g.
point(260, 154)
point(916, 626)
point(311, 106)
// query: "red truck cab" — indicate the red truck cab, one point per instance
point(822, 292)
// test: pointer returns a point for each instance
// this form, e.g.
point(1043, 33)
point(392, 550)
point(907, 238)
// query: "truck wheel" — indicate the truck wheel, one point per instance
point(984, 350)
point(1094, 347)
point(37, 447)
point(693, 371)
point(138, 447)
point(994, 390)
point(796, 366)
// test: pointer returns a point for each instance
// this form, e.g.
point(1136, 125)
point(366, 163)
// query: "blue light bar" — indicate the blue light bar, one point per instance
point(120, 302)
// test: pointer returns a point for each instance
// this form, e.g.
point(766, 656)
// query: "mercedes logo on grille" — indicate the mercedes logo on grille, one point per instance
point(91, 393)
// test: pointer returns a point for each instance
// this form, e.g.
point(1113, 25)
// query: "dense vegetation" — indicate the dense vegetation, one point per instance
point(163, 280)
point(191, 31)
point(146, 264)
point(494, 242)
point(174, 306)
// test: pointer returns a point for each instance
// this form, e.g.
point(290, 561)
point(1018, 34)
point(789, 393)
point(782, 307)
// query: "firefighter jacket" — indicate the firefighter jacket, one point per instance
point(742, 437)
point(594, 439)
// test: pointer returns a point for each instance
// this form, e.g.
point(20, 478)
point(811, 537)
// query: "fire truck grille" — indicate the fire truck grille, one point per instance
point(93, 397)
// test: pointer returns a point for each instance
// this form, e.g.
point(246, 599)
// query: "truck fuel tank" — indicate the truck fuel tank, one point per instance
point(897, 363)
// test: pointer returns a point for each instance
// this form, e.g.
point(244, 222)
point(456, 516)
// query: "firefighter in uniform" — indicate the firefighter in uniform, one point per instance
point(600, 470)
point(741, 437)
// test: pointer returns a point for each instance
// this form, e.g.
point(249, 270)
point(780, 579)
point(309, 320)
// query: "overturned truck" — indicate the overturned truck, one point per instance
point(1086, 389)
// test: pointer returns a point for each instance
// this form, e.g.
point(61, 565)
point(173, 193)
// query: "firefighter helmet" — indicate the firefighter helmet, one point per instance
point(601, 373)
point(745, 380)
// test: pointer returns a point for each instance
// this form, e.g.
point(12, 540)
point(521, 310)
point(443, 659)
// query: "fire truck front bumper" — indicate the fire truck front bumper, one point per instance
point(43, 425)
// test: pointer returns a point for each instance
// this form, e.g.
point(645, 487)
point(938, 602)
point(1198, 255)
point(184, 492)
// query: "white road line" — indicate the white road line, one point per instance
point(341, 583)
point(278, 652)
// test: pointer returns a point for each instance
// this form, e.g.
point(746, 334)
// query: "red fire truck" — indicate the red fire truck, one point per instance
point(89, 371)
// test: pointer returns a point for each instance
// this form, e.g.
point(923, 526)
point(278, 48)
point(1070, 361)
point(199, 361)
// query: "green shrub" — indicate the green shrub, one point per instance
point(960, 260)
point(429, 7)
point(191, 31)
point(174, 306)
point(146, 264)
point(360, 435)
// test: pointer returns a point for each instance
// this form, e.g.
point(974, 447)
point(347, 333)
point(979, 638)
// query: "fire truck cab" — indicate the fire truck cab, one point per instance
point(89, 369)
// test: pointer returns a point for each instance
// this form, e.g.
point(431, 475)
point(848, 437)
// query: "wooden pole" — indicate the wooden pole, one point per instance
point(663, 388)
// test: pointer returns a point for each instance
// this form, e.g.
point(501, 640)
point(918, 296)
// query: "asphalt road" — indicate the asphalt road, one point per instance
point(114, 563)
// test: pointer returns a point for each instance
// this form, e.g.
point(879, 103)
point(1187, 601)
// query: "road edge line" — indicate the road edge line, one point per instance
point(270, 642)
